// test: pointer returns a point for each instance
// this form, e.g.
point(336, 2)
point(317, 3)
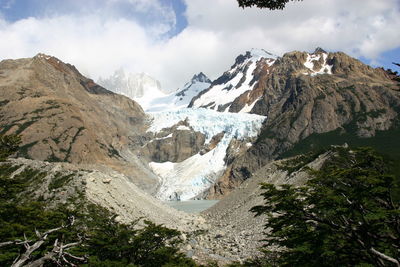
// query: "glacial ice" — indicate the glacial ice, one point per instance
point(187, 179)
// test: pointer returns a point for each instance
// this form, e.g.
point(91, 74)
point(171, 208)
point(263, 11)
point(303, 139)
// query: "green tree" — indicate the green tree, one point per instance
point(346, 215)
point(270, 4)
point(9, 144)
point(116, 244)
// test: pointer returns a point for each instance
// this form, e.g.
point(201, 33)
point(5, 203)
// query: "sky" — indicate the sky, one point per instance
point(171, 40)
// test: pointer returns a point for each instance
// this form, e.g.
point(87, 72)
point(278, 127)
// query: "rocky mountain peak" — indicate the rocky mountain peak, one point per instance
point(200, 77)
point(253, 54)
point(319, 50)
point(57, 64)
point(261, 53)
point(236, 82)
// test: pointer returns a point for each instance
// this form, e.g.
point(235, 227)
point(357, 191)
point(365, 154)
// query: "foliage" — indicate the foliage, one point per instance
point(8, 145)
point(20, 219)
point(385, 142)
point(128, 245)
point(270, 4)
point(103, 240)
point(344, 216)
point(296, 163)
point(60, 179)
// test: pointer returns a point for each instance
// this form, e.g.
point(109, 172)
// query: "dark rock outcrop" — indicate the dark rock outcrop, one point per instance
point(174, 144)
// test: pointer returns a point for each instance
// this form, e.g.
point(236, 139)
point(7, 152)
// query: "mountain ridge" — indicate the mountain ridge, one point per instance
point(63, 116)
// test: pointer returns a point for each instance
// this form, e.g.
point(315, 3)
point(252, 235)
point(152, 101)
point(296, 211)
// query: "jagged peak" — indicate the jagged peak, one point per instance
point(254, 54)
point(200, 77)
point(319, 50)
point(43, 55)
point(48, 58)
point(257, 52)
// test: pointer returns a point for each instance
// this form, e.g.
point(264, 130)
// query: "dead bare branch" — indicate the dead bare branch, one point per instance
point(58, 254)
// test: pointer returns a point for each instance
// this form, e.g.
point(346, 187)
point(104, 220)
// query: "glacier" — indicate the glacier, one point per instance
point(188, 179)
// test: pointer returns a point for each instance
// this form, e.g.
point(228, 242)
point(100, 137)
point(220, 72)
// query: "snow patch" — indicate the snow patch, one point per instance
point(221, 95)
point(183, 128)
point(247, 108)
point(240, 80)
point(309, 64)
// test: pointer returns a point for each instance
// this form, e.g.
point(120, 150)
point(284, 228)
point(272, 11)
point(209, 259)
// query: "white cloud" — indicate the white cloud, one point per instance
point(106, 39)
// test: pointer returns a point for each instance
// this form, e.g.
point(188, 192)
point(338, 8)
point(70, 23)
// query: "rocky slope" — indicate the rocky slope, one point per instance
point(64, 116)
point(301, 94)
point(234, 234)
point(68, 184)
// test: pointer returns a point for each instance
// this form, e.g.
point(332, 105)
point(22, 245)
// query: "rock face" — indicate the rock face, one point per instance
point(304, 94)
point(63, 116)
point(174, 144)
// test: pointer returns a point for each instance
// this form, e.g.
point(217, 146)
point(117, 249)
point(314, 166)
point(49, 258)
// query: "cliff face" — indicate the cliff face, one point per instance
point(174, 144)
point(63, 116)
point(304, 94)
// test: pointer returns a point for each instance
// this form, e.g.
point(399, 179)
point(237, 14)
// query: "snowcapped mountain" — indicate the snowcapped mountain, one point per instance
point(238, 81)
point(196, 85)
point(148, 92)
point(299, 93)
point(240, 88)
point(181, 97)
point(138, 86)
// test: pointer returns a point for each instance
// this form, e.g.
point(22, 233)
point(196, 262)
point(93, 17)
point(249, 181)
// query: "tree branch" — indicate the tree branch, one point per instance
point(384, 257)
point(58, 252)
point(14, 242)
